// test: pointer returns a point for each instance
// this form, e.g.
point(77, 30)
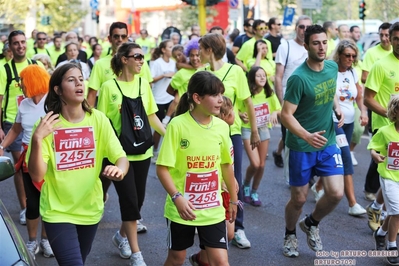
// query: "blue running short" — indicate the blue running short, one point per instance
point(304, 165)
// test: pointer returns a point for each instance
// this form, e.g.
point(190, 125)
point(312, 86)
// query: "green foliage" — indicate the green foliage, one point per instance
point(65, 14)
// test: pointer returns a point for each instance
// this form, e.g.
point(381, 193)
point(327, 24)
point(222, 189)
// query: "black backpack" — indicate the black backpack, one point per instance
point(136, 136)
point(10, 79)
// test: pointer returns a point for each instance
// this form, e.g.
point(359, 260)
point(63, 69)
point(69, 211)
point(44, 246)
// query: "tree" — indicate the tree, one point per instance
point(64, 14)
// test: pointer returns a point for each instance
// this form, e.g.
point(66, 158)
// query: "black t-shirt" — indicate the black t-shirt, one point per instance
point(238, 42)
point(274, 40)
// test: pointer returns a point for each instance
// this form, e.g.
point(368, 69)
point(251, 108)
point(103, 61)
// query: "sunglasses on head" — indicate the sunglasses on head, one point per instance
point(136, 57)
point(350, 55)
point(302, 27)
point(262, 28)
point(117, 36)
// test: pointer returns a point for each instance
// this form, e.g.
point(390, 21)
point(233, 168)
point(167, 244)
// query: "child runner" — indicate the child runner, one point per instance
point(191, 168)
point(384, 146)
point(267, 108)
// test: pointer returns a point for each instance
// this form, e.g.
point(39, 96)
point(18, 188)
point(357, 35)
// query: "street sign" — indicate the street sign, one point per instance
point(288, 17)
point(94, 4)
point(312, 4)
point(234, 4)
point(234, 14)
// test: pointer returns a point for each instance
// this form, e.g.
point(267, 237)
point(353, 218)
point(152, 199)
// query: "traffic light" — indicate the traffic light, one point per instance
point(362, 9)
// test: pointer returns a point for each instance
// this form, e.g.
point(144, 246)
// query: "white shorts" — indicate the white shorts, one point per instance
point(390, 192)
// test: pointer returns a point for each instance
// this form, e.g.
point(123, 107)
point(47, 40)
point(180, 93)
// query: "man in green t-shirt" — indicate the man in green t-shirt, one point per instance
point(307, 114)
point(41, 41)
point(9, 100)
point(147, 44)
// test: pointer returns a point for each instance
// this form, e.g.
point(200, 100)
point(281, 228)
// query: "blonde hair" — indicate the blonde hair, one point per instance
point(226, 107)
point(42, 58)
point(393, 107)
point(342, 45)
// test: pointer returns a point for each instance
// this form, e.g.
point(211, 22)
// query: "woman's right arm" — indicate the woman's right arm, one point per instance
point(36, 165)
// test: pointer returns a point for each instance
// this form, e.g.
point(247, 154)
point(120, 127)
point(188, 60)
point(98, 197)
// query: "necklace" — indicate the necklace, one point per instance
point(208, 126)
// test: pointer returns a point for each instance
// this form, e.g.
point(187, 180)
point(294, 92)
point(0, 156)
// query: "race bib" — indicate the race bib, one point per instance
point(262, 114)
point(20, 99)
point(393, 156)
point(74, 148)
point(202, 189)
point(341, 140)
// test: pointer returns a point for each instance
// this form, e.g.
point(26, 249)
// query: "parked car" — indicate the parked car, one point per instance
point(12, 247)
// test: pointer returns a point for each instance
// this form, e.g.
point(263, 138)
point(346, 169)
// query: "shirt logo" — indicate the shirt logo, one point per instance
point(184, 144)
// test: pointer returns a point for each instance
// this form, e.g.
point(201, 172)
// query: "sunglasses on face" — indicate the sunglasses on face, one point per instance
point(350, 55)
point(262, 28)
point(41, 39)
point(136, 57)
point(117, 36)
point(302, 27)
point(278, 24)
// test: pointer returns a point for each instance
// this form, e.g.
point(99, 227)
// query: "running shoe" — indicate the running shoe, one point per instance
point(247, 194)
point(278, 160)
point(255, 200)
point(374, 217)
point(123, 245)
point(22, 217)
point(141, 228)
point(313, 237)
point(369, 196)
point(394, 259)
point(290, 248)
point(240, 240)
point(317, 194)
point(137, 260)
point(46, 248)
point(356, 210)
point(354, 161)
point(33, 248)
point(194, 259)
point(380, 241)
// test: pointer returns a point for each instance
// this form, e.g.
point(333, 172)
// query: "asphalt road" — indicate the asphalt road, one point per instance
point(340, 232)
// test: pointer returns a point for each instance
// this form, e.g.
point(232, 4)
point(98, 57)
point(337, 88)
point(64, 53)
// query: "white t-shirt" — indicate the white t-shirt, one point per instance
point(159, 67)
point(297, 55)
point(28, 114)
point(347, 93)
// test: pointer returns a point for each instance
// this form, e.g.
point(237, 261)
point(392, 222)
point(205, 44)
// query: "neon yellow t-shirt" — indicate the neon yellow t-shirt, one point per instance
point(264, 107)
point(15, 92)
point(384, 80)
point(180, 80)
point(247, 50)
point(146, 45)
point(386, 141)
point(330, 47)
point(268, 65)
point(110, 101)
point(102, 72)
point(107, 49)
point(30, 43)
point(236, 89)
point(189, 150)
point(373, 55)
point(76, 196)
point(31, 52)
point(55, 54)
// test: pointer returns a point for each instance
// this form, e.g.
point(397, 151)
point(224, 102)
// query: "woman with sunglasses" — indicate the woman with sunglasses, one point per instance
point(349, 94)
point(65, 150)
point(126, 64)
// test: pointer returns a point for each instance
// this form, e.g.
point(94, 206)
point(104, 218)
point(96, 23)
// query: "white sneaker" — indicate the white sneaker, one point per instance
point(22, 217)
point(137, 259)
point(123, 245)
point(354, 161)
point(33, 248)
point(356, 210)
point(46, 248)
point(240, 240)
point(317, 194)
point(290, 248)
point(141, 228)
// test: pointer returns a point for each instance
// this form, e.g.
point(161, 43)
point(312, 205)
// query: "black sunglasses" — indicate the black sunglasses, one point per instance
point(136, 57)
point(302, 27)
point(41, 39)
point(117, 36)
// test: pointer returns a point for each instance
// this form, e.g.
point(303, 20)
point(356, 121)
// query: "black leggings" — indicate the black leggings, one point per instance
point(131, 190)
point(32, 197)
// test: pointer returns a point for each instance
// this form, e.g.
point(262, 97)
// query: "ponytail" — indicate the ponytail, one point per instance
point(184, 105)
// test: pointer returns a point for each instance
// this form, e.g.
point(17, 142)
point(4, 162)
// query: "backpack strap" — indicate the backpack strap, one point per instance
point(109, 50)
point(48, 52)
point(10, 79)
point(288, 54)
point(35, 49)
point(227, 73)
